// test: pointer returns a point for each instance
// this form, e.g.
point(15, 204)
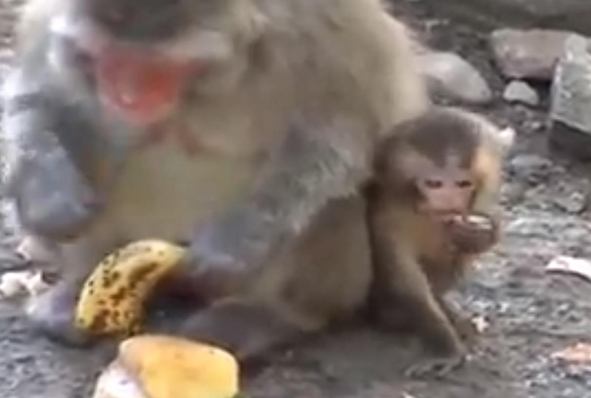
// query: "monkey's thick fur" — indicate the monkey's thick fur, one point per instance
point(418, 257)
point(298, 94)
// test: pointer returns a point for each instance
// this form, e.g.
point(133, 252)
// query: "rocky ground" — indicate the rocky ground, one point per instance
point(530, 315)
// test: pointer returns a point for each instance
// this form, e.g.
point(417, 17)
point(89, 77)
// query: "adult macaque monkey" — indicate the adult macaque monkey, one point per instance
point(241, 126)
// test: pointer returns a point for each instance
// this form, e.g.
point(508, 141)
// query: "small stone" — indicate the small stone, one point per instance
point(573, 203)
point(528, 53)
point(520, 91)
point(570, 113)
point(450, 75)
point(531, 168)
point(11, 284)
point(512, 193)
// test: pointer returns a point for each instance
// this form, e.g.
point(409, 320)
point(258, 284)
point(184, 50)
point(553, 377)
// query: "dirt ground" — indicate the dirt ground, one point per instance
point(530, 313)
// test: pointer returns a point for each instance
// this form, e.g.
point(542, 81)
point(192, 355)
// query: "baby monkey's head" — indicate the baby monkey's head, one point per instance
point(443, 161)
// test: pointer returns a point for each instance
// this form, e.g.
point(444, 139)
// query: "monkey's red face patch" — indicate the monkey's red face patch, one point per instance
point(142, 85)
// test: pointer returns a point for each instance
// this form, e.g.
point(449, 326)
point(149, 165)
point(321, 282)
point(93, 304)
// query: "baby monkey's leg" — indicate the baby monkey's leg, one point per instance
point(464, 326)
point(406, 287)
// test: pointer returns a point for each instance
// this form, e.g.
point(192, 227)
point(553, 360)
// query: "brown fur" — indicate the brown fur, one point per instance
point(417, 257)
point(286, 124)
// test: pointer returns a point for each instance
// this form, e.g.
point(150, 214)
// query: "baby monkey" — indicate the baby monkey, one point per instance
point(431, 212)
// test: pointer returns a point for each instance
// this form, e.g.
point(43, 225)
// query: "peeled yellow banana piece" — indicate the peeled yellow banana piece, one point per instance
point(112, 299)
point(156, 366)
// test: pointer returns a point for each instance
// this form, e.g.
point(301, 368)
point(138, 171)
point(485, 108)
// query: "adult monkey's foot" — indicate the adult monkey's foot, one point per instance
point(52, 314)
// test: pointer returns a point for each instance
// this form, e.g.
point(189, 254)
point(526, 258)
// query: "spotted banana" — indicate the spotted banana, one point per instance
point(112, 299)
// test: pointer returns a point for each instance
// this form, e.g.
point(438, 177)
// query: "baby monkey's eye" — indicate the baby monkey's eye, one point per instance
point(433, 184)
point(464, 184)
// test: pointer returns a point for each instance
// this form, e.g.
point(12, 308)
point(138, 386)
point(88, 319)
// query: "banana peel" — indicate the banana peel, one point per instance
point(112, 299)
point(156, 366)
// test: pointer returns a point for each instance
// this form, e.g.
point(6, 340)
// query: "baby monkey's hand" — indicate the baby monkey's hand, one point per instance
point(472, 233)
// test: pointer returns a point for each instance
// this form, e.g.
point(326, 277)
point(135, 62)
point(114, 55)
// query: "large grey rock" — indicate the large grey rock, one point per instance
point(450, 75)
point(555, 14)
point(521, 92)
point(528, 53)
point(571, 99)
